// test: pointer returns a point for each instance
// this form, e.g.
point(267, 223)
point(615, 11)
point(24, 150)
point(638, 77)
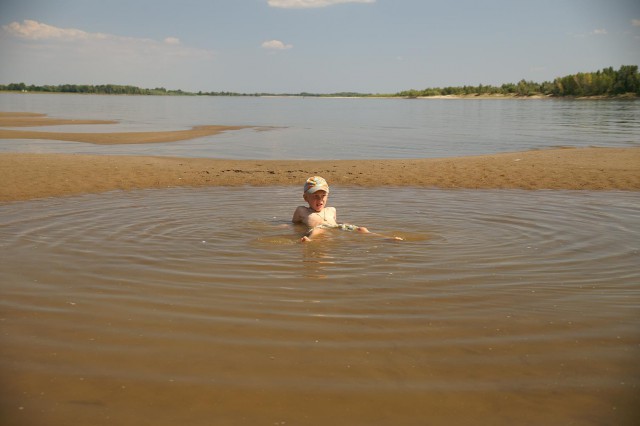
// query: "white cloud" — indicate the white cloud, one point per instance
point(635, 22)
point(595, 33)
point(71, 38)
point(276, 45)
point(39, 53)
point(307, 4)
point(172, 40)
point(33, 30)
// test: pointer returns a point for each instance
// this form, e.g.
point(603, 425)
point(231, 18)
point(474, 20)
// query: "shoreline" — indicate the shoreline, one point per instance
point(33, 176)
point(624, 96)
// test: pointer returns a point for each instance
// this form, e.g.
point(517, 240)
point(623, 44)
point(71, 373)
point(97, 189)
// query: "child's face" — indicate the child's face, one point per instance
point(318, 200)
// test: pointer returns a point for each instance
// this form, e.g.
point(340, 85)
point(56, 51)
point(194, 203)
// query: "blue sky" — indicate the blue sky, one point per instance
point(321, 46)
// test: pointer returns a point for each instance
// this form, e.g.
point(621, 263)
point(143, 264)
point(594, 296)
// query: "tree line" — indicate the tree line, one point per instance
point(606, 82)
point(102, 89)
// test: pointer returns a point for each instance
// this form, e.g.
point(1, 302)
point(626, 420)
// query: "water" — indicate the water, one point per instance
point(198, 306)
point(303, 128)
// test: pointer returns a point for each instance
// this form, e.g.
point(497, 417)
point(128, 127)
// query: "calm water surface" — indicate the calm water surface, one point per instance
point(337, 128)
point(197, 306)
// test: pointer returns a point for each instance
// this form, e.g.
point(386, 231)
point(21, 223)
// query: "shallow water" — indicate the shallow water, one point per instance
point(336, 128)
point(199, 307)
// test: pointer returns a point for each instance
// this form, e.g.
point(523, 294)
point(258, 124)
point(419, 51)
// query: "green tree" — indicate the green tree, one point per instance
point(627, 80)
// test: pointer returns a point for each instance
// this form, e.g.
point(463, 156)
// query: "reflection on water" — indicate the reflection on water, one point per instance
point(344, 128)
point(199, 307)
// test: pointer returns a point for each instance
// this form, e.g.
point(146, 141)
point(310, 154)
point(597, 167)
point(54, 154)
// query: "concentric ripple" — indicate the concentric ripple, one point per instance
point(208, 291)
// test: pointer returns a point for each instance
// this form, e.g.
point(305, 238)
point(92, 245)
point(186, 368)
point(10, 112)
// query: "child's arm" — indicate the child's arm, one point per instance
point(299, 215)
point(363, 230)
point(302, 215)
point(313, 232)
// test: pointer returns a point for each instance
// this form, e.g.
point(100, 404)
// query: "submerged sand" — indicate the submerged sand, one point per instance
point(29, 119)
point(29, 176)
point(26, 119)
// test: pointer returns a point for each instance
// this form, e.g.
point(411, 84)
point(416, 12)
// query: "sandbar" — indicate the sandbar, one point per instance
point(28, 119)
point(32, 119)
point(31, 176)
point(120, 138)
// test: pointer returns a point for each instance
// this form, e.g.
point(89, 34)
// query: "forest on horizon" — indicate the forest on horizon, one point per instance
point(606, 82)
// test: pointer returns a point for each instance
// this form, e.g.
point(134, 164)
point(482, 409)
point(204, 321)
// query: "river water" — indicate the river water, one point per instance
point(337, 128)
point(199, 306)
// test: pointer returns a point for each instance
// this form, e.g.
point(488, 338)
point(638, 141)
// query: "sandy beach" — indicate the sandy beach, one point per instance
point(30, 176)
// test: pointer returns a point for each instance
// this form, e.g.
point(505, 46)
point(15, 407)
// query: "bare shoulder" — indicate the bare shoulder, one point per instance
point(300, 214)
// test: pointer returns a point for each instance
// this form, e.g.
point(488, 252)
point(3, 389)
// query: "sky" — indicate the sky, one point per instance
point(316, 46)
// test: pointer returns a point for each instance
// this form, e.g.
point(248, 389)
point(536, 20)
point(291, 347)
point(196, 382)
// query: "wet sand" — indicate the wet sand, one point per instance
point(29, 119)
point(120, 138)
point(29, 176)
point(26, 119)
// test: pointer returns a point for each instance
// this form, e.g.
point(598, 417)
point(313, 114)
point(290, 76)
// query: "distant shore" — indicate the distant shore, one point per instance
point(629, 96)
point(31, 176)
point(606, 83)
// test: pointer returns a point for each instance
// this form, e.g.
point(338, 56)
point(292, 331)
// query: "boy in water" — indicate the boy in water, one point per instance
point(318, 216)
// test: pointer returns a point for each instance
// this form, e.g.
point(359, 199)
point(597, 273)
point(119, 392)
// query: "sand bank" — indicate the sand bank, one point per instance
point(29, 176)
point(31, 119)
point(26, 119)
point(119, 138)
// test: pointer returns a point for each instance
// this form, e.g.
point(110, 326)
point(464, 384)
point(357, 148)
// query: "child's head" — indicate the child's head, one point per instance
point(316, 191)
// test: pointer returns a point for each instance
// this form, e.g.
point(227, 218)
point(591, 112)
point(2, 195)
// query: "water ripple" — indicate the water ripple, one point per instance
point(205, 287)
